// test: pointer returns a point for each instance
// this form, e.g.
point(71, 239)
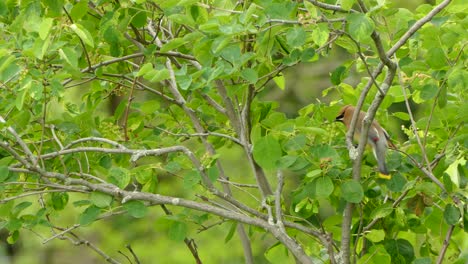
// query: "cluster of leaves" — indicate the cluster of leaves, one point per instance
point(186, 74)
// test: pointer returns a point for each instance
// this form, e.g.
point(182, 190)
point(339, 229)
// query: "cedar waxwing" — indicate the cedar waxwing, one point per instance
point(377, 137)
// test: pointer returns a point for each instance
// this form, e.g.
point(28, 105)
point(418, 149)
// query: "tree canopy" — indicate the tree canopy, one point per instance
point(140, 128)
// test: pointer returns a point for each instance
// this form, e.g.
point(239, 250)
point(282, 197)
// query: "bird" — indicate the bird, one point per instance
point(377, 137)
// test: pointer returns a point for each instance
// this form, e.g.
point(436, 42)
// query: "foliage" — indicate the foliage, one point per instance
point(184, 80)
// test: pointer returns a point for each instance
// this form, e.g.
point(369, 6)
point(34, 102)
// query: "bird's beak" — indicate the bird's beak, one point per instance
point(339, 118)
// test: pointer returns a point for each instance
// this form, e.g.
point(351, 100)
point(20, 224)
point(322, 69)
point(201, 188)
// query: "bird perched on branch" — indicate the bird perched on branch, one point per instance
point(377, 137)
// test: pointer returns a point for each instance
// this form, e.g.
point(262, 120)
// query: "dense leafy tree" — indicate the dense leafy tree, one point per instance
point(116, 109)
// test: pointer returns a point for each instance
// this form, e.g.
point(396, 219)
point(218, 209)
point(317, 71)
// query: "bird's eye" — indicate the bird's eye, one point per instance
point(340, 117)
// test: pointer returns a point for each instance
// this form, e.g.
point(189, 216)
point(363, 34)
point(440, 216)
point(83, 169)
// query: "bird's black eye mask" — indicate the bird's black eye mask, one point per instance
point(340, 118)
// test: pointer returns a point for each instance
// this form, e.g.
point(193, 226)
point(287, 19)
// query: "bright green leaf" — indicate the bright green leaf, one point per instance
point(135, 208)
point(382, 211)
point(280, 81)
point(360, 27)
point(352, 191)
point(4, 172)
point(119, 177)
point(267, 151)
point(100, 199)
point(83, 33)
point(324, 187)
point(249, 75)
point(177, 231)
point(45, 27)
point(451, 214)
point(89, 215)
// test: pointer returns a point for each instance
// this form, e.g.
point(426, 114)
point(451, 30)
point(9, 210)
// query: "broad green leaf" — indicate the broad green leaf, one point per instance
point(100, 199)
point(79, 10)
point(191, 179)
point(338, 75)
point(119, 177)
point(296, 36)
point(277, 254)
point(89, 215)
point(377, 255)
point(347, 4)
point(324, 187)
point(267, 151)
point(435, 57)
point(146, 68)
point(160, 75)
point(173, 44)
point(360, 27)
point(59, 200)
point(429, 91)
point(376, 235)
point(177, 231)
point(352, 191)
point(13, 237)
point(314, 173)
point(135, 208)
point(249, 75)
point(320, 34)
point(382, 211)
point(69, 55)
point(45, 27)
point(5, 62)
point(20, 207)
point(399, 248)
point(280, 81)
point(396, 183)
point(83, 33)
point(451, 214)
point(457, 79)
point(4, 172)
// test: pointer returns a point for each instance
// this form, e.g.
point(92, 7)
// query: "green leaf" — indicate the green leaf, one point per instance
point(382, 211)
point(13, 237)
point(59, 200)
point(320, 34)
point(279, 80)
point(146, 68)
point(376, 254)
point(347, 4)
point(399, 248)
point(429, 91)
point(451, 214)
point(173, 44)
point(338, 75)
point(177, 231)
point(4, 173)
point(100, 199)
point(135, 208)
point(20, 207)
point(396, 183)
point(435, 57)
point(267, 151)
point(119, 177)
point(89, 215)
point(83, 33)
point(360, 27)
point(352, 191)
point(324, 187)
point(159, 75)
point(69, 55)
point(231, 232)
point(376, 235)
point(296, 36)
point(191, 179)
point(45, 27)
point(277, 254)
point(79, 10)
point(249, 75)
